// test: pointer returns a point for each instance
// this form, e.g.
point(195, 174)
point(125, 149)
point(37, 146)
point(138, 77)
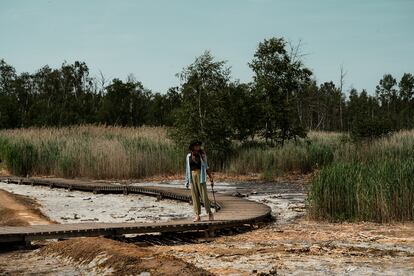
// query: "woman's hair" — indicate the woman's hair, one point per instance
point(201, 152)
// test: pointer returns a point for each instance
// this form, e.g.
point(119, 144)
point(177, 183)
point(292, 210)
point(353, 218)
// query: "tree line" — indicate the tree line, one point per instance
point(282, 102)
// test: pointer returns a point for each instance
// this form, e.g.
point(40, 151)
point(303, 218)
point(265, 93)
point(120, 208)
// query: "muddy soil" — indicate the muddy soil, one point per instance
point(111, 257)
point(294, 245)
point(94, 256)
point(19, 210)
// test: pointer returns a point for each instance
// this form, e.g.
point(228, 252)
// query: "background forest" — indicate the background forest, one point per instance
point(283, 100)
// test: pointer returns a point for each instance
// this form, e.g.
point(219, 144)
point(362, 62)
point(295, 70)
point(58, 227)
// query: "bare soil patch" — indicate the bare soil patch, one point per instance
point(119, 258)
point(294, 177)
point(30, 262)
point(307, 247)
point(18, 210)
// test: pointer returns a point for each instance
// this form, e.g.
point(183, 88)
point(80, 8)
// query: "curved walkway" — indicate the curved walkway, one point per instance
point(232, 211)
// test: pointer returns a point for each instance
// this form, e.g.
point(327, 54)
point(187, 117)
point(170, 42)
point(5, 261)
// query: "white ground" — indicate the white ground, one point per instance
point(73, 207)
point(65, 206)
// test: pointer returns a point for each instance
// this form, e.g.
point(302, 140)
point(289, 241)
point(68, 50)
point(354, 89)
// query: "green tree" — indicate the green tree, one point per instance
point(331, 111)
point(406, 104)
point(203, 111)
point(23, 87)
point(162, 107)
point(406, 86)
point(125, 103)
point(57, 97)
point(277, 78)
point(387, 93)
point(9, 118)
point(362, 107)
point(245, 110)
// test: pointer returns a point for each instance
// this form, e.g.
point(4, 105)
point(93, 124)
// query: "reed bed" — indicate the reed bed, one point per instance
point(370, 180)
point(367, 182)
point(90, 151)
point(300, 156)
point(117, 152)
point(380, 191)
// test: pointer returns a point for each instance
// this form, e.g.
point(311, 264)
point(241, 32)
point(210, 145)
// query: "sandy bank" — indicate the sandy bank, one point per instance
point(18, 210)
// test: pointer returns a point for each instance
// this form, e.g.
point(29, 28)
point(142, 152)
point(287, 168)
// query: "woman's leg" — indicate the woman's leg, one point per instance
point(204, 196)
point(195, 192)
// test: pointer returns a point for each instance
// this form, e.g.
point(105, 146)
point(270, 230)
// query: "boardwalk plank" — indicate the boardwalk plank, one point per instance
point(233, 211)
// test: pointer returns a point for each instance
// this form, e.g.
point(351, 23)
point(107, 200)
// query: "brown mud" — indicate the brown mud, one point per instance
point(120, 258)
point(18, 210)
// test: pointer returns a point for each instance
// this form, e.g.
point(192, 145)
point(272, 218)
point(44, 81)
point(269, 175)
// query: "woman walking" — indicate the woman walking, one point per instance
point(195, 173)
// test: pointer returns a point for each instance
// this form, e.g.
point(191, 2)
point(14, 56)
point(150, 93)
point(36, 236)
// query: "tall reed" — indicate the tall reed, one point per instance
point(301, 156)
point(379, 191)
point(368, 181)
point(90, 151)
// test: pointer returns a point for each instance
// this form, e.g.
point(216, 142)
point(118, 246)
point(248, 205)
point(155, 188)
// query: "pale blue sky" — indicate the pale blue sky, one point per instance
point(155, 39)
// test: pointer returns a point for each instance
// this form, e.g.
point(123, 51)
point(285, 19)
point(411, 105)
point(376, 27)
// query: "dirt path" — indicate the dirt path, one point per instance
point(17, 210)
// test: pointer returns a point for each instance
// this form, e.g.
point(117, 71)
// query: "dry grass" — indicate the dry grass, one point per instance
point(156, 134)
point(103, 152)
point(90, 151)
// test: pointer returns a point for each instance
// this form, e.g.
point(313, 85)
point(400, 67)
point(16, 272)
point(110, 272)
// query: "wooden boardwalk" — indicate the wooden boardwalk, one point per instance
point(232, 212)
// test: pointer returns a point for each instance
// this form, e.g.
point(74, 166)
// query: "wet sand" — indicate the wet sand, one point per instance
point(18, 210)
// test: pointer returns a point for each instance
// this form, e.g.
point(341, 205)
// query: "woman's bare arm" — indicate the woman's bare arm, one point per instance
point(210, 176)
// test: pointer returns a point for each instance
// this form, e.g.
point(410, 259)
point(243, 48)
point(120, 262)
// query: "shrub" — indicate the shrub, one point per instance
point(370, 129)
